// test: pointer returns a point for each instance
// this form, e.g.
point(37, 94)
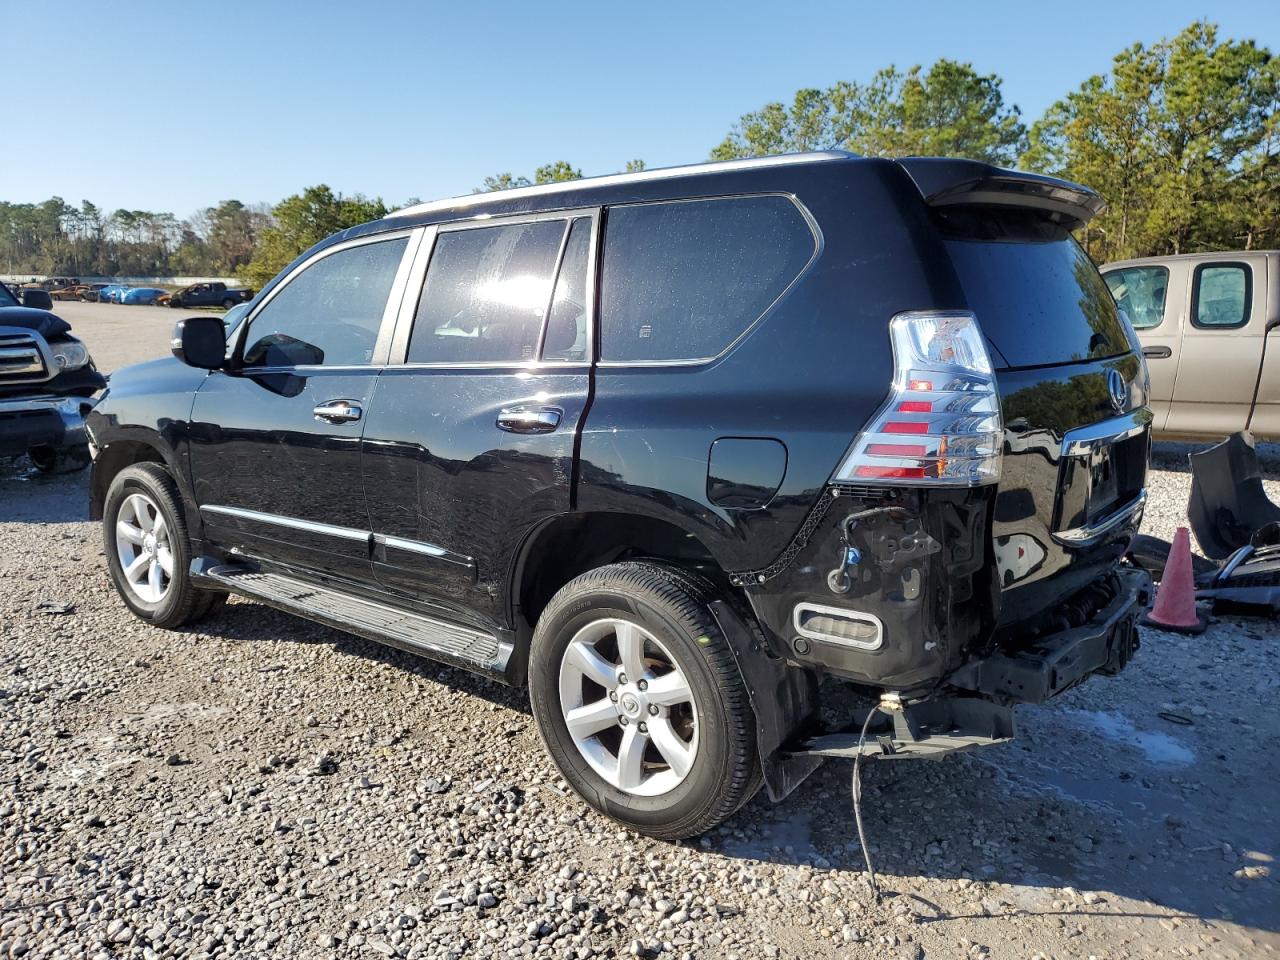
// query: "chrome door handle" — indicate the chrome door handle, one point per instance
point(529, 419)
point(338, 411)
point(1157, 353)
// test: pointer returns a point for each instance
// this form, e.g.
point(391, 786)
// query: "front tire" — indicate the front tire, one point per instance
point(148, 549)
point(639, 700)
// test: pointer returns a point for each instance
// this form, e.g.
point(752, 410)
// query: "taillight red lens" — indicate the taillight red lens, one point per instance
point(943, 384)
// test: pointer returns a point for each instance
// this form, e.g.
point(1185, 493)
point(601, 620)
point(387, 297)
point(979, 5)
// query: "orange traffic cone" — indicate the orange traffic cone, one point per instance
point(1175, 606)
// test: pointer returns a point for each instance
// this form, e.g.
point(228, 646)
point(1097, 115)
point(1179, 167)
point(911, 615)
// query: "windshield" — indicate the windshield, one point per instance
point(7, 299)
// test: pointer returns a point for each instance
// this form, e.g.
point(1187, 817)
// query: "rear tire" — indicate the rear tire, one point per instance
point(689, 687)
point(228, 303)
point(143, 523)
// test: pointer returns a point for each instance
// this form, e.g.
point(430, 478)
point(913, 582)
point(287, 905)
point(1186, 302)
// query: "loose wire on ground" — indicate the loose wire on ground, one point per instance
point(857, 804)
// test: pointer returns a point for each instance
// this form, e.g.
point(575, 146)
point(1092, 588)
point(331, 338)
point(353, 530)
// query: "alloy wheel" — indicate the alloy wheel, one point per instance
point(144, 548)
point(628, 707)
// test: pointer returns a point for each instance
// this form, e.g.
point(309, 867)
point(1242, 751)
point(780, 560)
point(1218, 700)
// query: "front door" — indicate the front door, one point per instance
point(275, 440)
point(1151, 297)
point(469, 443)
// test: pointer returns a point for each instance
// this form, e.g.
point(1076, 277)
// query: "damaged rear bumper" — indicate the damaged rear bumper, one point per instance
point(1049, 665)
point(976, 707)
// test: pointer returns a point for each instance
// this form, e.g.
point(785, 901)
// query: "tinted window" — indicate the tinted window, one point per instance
point(684, 280)
point(1222, 295)
point(1037, 295)
point(486, 293)
point(1140, 293)
point(328, 314)
point(567, 323)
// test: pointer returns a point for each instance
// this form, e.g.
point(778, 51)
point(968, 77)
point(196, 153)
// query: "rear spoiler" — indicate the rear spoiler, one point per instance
point(944, 182)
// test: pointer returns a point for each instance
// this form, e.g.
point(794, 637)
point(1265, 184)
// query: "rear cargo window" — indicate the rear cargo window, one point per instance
point(1037, 295)
point(684, 280)
point(1140, 293)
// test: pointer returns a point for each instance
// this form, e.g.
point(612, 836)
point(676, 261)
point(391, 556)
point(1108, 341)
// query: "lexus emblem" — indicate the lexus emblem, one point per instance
point(1118, 389)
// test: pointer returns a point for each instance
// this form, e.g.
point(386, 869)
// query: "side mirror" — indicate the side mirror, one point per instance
point(39, 299)
point(200, 342)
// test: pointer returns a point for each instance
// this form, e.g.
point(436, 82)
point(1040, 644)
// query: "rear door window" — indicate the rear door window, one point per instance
point(486, 293)
point(684, 280)
point(1140, 293)
point(1222, 296)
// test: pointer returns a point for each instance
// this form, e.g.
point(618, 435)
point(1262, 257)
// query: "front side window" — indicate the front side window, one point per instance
point(684, 280)
point(1222, 295)
point(1140, 293)
point(329, 314)
point(486, 294)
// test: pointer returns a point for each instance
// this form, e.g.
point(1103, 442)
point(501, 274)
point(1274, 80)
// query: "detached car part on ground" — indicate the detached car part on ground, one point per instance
point(47, 383)
point(672, 448)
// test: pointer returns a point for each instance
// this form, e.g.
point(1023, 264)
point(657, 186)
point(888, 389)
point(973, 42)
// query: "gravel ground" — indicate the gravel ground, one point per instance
point(259, 786)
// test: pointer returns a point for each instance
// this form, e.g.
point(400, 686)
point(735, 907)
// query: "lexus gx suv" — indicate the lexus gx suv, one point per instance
point(683, 451)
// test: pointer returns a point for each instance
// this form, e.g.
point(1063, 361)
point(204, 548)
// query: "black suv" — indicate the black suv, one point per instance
point(672, 447)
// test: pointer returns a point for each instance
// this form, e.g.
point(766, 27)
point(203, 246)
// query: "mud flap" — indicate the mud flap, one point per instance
point(1228, 503)
point(783, 699)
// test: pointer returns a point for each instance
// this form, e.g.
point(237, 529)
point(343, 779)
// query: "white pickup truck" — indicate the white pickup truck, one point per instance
point(1205, 321)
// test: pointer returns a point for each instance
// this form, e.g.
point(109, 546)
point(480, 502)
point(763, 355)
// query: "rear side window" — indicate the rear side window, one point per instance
point(1222, 295)
point(684, 280)
point(1140, 293)
point(486, 293)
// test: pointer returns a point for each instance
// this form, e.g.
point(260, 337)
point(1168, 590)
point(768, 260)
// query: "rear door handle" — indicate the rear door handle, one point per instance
point(1157, 353)
point(529, 419)
point(338, 411)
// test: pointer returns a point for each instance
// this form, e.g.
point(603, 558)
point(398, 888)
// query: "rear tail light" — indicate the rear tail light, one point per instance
point(941, 424)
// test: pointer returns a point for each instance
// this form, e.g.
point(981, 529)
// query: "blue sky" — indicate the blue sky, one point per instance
point(168, 106)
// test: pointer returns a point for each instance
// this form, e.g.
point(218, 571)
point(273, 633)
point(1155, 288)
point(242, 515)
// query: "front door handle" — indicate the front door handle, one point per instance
point(1157, 353)
point(529, 419)
point(338, 411)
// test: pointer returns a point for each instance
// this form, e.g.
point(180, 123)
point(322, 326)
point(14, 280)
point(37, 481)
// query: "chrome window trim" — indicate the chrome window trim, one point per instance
point(382, 344)
point(417, 278)
point(617, 179)
point(841, 612)
point(819, 244)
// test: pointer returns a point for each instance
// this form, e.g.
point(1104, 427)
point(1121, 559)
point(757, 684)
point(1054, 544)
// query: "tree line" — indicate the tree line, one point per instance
point(1182, 138)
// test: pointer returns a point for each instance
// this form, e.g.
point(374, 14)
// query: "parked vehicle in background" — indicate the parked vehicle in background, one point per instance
point(146, 296)
point(1205, 321)
point(52, 284)
point(113, 292)
point(89, 292)
point(209, 295)
point(654, 445)
point(47, 382)
point(70, 292)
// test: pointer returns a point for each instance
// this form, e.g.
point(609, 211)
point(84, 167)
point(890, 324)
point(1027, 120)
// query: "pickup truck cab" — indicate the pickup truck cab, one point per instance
point(209, 295)
point(1205, 321)
point(670, 447)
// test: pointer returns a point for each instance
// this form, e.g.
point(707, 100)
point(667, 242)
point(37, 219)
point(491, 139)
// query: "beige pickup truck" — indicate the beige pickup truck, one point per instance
point(1204, 321)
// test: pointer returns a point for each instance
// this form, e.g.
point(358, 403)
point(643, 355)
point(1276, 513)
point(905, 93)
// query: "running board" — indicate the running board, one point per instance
point(461, 646)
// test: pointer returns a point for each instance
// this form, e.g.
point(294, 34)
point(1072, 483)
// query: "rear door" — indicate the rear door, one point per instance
point(469, 443)
point(1152, 296)
point(1222, 345)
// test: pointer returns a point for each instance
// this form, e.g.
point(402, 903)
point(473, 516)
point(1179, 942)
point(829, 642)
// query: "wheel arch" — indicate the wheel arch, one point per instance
point(139, 447)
